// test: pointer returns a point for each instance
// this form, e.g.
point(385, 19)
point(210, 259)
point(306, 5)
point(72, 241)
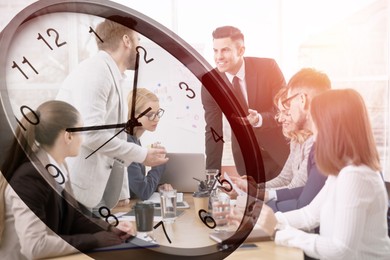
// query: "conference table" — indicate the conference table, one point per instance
point(190, 237)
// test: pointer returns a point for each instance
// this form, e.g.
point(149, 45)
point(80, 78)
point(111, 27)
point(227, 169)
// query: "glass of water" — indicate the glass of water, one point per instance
point(220, 210)
point(168, 205)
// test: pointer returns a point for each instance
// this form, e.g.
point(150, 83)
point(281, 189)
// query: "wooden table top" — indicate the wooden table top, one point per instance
point(190, 237)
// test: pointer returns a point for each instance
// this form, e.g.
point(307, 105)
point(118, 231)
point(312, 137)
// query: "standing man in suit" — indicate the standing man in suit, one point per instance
point(254, 81)
point(94, 88)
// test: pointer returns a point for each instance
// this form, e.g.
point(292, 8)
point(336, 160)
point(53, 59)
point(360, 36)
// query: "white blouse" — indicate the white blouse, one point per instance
point(294, 172)
point(351, 211)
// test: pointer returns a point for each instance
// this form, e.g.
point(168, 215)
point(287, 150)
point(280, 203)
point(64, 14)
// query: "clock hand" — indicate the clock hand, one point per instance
point(135, 83)
point(103, 127)
point(131, 123)
point(123, 129)
point(93, 128)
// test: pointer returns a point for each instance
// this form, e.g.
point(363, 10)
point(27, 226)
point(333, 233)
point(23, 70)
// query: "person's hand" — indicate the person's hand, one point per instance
point(253, 117)
point(106, 238)
point(226, 186)
point(155, 157)
point(235, 216)
point(123, 203)
point(267, 220)
point(124, 230)
point(165, 186)
point(292, 237)
point(245, 213)
point(241, 182)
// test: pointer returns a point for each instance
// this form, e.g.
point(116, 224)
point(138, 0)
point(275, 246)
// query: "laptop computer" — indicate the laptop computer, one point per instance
point(181, 168)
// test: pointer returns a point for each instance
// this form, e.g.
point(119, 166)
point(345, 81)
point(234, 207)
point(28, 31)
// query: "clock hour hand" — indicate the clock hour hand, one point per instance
point(94, 128)
point(129, 126)
point(103, 127)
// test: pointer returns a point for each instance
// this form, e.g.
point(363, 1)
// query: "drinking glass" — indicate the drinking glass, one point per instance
point(168, 205)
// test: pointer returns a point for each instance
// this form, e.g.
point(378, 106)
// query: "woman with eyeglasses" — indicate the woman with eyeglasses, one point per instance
point(143, 185)
point(351, 208)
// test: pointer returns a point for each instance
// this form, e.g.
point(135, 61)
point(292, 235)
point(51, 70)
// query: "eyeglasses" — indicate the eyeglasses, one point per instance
point(287, 102)
point(152, 115)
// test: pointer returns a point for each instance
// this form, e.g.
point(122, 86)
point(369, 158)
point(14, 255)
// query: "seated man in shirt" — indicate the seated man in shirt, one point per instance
point(300, 181)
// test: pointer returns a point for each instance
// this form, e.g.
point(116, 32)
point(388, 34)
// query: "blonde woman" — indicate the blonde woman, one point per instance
point(143, 185)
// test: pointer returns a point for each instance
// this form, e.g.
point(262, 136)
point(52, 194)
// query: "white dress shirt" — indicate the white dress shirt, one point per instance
point(241, 76)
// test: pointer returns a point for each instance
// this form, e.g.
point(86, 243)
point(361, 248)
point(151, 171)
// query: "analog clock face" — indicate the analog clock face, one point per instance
point(47, 40)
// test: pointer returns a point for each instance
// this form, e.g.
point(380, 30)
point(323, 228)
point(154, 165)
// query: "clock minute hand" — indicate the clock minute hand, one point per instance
point(123, 129)
point(135, 84)
point(131, 123)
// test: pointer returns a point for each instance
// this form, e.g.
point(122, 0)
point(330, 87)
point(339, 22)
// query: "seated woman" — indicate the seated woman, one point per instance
point(351, 208)
point(41, 217)
point(302, 87)
point(143, 185)
point(286, 199)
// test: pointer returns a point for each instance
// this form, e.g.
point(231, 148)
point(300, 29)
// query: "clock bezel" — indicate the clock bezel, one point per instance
point(176, 47)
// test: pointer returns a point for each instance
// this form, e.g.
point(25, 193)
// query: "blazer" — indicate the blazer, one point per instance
point(141, 185)
point(42, 219)
point(94, 89)
point(296, 198)
point(263, 79)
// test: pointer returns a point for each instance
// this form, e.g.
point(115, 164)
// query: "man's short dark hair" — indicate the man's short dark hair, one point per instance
point(228, 32)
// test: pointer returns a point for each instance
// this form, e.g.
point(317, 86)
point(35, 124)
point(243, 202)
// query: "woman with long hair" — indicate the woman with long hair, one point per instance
point(351, 207)
point(41, 218)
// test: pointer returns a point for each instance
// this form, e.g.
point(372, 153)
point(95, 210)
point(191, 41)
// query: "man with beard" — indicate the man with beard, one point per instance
point(94, 88)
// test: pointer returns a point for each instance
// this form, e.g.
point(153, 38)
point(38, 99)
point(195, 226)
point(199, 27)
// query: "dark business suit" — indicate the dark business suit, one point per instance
point(296, 198)
point(263, 79)
point(59, 214)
